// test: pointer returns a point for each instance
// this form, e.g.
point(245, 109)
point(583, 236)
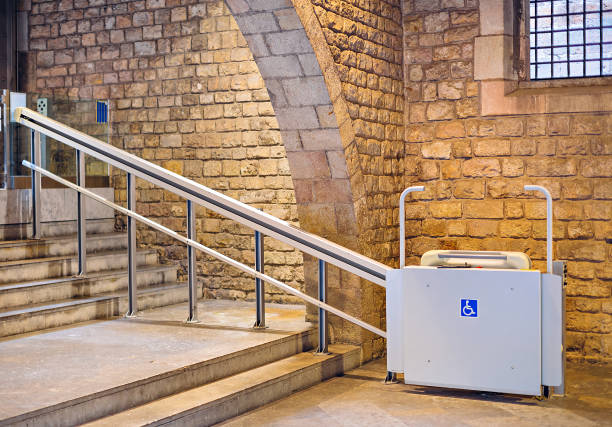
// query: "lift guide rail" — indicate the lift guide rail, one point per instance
point(498, 327)
point(316, 246)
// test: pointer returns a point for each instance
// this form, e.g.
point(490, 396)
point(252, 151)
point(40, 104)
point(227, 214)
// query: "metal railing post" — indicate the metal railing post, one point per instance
point(549, 228)
point(6, 153)
point(323, 326)
point(35, 153)
point(191, 264)
point(131, 231)
point(260, 295)
point(81, 214)
point(402, 221)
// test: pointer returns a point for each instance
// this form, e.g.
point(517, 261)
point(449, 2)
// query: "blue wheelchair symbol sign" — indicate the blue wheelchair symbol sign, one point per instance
point(469, 308)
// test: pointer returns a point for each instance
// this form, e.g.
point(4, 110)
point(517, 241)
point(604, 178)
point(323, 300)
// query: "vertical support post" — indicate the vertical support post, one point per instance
point(549, 229)
point(402, 222)
point(323, 326)
point(131, 230)
point(6, 153)
point(260, 294)
point(35, 153)
point(81, 214)
point(560, 269)
point(191, 264)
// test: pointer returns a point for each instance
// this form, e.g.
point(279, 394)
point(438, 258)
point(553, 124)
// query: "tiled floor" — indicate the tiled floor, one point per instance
point(360, 398)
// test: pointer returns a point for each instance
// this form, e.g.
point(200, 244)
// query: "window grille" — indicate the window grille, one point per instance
point(570, 38)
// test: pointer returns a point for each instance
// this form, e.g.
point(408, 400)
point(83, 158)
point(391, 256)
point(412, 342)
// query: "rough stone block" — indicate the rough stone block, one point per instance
point(440, 110)
point(493, 209)
point(450, 90)
point(445, 209)
point(551, 167)
point(597, 167)
point(481, 168)
point(436, 150)
point(491, 147)
point(170, 140)
point(469, 189)
point(436, 22)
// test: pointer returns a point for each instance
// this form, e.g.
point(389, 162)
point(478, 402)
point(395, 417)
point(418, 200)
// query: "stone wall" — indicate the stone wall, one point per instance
point(185, 93)
point(474, 168)
point(364, 40)
point(400, 105)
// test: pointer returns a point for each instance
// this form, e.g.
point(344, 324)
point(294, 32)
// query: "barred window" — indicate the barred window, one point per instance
point(570, 38)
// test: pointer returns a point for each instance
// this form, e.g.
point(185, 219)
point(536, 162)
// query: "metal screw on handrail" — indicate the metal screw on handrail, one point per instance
point(191, 264)
point(36, 181)
point(131, 231)
point(323, 326)
point(260, 294)
point(81, 214)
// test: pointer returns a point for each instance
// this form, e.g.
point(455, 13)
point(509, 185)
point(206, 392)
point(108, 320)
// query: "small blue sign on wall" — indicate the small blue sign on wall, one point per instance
point(469, 308)
point(101, 111)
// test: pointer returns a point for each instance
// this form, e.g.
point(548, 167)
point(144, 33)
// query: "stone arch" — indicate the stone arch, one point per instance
point(294, 59)
point(306, 115)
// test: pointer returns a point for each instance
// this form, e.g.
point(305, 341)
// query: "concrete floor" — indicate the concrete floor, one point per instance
point(360, 398)
point(52, 366)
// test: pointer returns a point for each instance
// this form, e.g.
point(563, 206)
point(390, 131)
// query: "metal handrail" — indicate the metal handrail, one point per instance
point(255, 219)
point(261, 222)
point(209, 251)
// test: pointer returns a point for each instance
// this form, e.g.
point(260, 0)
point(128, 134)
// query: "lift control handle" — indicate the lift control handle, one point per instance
point(549, 218)
point(402, 222)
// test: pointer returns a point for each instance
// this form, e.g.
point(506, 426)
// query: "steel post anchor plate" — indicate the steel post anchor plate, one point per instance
point(391, 378)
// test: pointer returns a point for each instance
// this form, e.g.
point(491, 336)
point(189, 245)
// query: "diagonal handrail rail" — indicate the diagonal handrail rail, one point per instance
point(253, 218)
point(208, 250)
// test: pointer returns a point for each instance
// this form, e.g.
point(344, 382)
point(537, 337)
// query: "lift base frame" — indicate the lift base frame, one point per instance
point(508, 339)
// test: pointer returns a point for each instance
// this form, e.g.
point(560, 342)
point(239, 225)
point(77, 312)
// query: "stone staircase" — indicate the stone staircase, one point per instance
point(156, 369)
point(39, 289)
point(59, 368)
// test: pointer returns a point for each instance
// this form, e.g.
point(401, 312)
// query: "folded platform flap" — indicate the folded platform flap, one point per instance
point(475, 259)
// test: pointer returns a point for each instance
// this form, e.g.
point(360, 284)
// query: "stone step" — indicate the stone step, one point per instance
point(44, 291)
point(56, 267)
point(229, 397)
point(36, 317)
point(166, 358)
point(59, 246)
point(58, 228)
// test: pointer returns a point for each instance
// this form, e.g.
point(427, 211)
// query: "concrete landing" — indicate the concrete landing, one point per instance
point(59, 370)
point(360, 398)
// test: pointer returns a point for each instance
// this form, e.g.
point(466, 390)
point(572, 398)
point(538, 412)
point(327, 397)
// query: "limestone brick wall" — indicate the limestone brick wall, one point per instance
point(365, 42)
point(474, 168)
point(185, 93)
